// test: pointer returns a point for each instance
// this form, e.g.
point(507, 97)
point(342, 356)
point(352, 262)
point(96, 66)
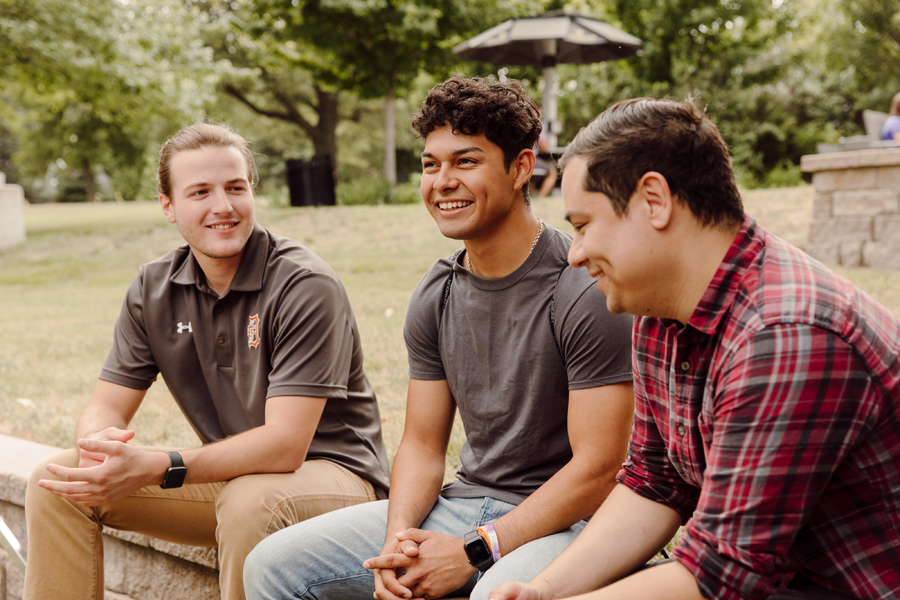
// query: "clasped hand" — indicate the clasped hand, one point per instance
point(108, 470)
point(420, 564)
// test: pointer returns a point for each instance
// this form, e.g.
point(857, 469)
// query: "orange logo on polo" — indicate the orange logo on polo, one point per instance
point(253, 331)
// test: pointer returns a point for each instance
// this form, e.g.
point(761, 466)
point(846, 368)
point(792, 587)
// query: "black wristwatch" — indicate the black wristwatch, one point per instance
point(174, 477)
point(478, 551)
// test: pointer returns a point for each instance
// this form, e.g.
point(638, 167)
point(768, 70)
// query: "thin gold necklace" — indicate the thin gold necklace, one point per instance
point(533, 244)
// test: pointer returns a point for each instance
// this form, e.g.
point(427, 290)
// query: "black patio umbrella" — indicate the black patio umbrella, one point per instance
point(547, 40)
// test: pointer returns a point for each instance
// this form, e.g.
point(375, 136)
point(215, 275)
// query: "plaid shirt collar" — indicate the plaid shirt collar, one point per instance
point(719, 297)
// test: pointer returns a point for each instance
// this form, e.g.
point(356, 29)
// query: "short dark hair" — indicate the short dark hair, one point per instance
point(499, 110)
point(672, 138)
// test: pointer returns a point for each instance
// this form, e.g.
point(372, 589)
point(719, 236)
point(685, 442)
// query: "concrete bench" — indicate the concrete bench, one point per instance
point(137, 567)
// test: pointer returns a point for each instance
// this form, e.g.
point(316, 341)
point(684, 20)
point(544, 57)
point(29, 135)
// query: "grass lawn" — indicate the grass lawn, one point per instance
point(61, 291)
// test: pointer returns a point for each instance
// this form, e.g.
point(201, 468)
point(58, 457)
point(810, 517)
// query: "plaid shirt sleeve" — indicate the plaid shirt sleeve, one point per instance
point(648, 471)
point(772, 443)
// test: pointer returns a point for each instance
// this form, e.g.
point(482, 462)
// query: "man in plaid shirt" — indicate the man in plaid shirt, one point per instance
point(767, 387)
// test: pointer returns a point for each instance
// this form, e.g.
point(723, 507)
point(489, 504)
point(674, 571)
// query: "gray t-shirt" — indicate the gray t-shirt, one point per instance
point(494, 345)
point(284, 328)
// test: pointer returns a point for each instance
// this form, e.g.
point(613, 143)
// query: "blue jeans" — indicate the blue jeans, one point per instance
point(321, 558)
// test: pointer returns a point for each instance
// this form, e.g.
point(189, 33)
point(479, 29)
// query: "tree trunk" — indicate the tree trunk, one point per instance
point(90, 184)
point(390, 153)
point(324, 134)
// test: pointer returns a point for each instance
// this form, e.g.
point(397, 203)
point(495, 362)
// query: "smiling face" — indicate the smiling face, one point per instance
point(615, 250)
point(466, 186)
point(212, 204)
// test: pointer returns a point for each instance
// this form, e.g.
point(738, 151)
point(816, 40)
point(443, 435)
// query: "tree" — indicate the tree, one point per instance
point(374, 49)
point(270, 83)
point(92, 82)
point(865, 42)
point(730, 56)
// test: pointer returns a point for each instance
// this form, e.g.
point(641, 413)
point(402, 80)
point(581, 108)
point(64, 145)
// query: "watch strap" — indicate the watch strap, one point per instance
point(176, 459)
point(175, 474)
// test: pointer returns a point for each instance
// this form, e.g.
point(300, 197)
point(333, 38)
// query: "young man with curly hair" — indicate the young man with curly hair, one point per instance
point(516, 340)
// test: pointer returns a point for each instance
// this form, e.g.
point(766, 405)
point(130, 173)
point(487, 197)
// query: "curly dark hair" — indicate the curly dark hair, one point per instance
point(499, 110)
point(672, 138)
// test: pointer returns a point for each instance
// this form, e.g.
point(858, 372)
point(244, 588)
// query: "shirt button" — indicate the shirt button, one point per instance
point(219, 310)
point(681, 430)
point(685, 365)
point(220, 340)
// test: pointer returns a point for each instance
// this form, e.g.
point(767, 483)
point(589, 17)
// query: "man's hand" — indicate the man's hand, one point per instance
point(438, 567)
point(122, 470)
point(513, 590)
point(395, 557)
point(110, 434)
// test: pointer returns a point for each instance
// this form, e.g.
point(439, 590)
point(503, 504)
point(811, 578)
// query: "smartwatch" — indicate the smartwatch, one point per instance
point(478, 551)
point(174, 477)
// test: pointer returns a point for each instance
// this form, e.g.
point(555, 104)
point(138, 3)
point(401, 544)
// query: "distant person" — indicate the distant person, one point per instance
point(891, 128)
point(256, 341)
point(767, 388)
point(544, 163)
point(522, 344)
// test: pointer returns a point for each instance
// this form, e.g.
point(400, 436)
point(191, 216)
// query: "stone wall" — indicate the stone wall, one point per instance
point(856, 210)
point(137, 567)
point(12, 215)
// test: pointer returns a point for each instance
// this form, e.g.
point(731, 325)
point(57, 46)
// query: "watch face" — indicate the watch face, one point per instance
point(174, 477)
point(477, 551)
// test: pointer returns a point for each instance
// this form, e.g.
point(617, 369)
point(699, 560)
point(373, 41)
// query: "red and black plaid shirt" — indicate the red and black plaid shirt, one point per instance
point(771, 423)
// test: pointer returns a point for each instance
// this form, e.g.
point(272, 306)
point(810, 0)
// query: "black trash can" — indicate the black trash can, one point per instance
point(311, 182)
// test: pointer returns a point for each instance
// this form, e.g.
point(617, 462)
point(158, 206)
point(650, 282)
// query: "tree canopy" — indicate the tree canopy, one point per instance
point(90, 88)
point(89, 83)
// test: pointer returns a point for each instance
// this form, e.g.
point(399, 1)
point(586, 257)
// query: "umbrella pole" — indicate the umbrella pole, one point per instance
point(550, 109)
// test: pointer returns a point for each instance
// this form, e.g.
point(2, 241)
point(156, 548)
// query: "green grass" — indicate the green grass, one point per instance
point(61, 291)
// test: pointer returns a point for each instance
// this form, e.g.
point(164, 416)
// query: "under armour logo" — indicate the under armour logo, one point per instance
point(182, 327)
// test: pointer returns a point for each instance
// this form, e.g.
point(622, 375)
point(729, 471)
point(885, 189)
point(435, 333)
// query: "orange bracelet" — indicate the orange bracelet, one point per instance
point(489, 535)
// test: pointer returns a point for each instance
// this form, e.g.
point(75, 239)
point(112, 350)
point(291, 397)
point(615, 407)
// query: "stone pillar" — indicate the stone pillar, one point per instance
point(12, 214)
point(856, 210)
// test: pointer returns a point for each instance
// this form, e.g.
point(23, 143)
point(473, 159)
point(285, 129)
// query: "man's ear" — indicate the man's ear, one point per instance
point(524, 167)
point(167, 208)
point(653, 192)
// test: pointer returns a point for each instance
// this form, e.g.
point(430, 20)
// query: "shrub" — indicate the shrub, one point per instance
point(369, 191)
point(375, 191)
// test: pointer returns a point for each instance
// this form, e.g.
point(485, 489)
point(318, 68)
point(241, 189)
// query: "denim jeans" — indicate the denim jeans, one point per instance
point(322, 558)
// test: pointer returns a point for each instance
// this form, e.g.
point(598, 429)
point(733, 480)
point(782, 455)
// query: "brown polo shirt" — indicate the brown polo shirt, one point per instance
point(284, 328)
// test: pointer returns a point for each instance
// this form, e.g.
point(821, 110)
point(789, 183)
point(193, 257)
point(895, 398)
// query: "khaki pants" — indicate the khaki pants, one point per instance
point(65, 548)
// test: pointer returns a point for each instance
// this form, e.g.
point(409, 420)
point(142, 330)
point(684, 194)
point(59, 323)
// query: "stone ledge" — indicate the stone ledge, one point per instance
point(856, 159)
point(207, 557)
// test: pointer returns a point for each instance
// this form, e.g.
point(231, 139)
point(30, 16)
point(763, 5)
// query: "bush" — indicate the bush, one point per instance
point(363, 191)
point(785, 174)
point(375, 191)
point(407, 193)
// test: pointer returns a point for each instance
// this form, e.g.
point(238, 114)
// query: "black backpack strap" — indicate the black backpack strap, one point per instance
point(553, 308)
point(447, 284)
